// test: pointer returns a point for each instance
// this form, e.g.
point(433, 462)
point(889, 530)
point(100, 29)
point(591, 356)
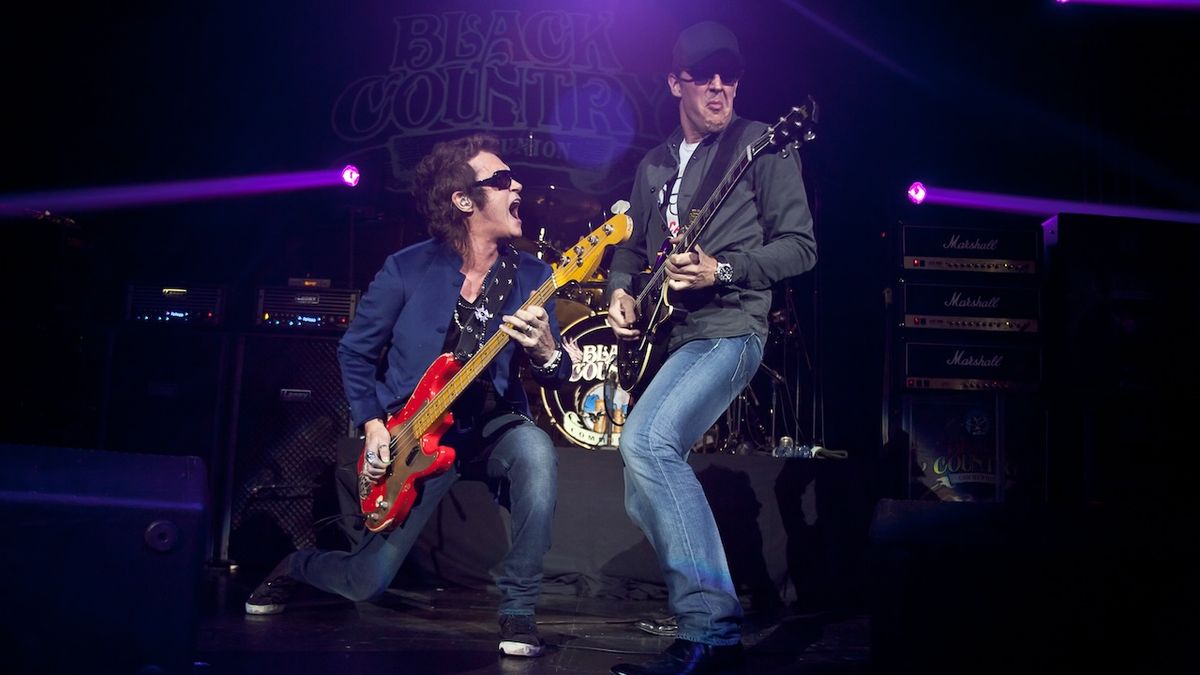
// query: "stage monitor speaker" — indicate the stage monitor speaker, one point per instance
point(1007, 588)
point(289, 414)
point(165, 391)
point(101, 559)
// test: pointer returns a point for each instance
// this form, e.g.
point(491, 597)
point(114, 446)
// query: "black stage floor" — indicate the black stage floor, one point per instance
point(444, 630)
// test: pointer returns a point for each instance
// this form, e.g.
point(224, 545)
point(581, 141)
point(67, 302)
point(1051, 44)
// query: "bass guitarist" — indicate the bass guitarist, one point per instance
point(450, 294)
point(762, 234)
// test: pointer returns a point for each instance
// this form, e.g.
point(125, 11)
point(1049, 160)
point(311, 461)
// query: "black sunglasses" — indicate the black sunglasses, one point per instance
point(703, 76)
point(501, 180)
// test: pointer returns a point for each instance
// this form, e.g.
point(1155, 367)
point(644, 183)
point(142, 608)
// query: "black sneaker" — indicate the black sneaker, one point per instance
point(519, 636)
point(272, 595)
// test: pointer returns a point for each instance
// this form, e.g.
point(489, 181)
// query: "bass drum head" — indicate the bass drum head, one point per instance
point(589, 409)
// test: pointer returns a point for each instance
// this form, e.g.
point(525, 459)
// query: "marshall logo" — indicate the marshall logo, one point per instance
point(956, 243)
point(977, 302)
point(961, 358)
point(308, 299)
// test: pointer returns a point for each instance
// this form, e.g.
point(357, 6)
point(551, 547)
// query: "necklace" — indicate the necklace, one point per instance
point(478, 308)
point(460, 307)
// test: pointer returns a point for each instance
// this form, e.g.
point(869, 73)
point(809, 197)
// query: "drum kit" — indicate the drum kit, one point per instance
point(590, 408)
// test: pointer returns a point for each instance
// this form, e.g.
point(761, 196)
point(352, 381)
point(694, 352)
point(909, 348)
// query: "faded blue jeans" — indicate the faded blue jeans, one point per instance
point(689, 393)
point(518, 456)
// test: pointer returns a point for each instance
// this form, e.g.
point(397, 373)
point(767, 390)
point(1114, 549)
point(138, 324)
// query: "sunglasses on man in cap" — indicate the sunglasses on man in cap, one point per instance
point(702, 76)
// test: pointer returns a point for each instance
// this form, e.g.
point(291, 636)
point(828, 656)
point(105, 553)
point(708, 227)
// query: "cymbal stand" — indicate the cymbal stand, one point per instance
point(740, 440)
point(734, 415)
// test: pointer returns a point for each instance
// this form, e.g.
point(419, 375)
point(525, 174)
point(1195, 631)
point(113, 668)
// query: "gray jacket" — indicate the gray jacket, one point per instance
point(764, 230)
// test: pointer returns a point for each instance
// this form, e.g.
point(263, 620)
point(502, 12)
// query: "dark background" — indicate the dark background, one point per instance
point(1027, 97)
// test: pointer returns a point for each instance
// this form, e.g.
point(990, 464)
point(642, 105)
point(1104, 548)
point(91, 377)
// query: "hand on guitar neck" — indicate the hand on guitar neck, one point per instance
point(691, 270)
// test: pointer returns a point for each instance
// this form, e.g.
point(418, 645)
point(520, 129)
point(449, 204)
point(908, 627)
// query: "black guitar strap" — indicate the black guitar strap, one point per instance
point(727, 145)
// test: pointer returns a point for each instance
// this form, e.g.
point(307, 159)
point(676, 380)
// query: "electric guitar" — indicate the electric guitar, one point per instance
point(415, 447)
point(656, 313)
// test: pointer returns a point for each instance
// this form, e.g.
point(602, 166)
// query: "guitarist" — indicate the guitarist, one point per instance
point(449, 294)
point(762, 234)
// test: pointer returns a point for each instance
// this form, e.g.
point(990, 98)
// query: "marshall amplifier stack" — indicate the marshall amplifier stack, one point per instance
point(965, 358)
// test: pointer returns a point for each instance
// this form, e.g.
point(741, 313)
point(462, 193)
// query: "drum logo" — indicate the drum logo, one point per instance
point(590, 408)
point(593, 362)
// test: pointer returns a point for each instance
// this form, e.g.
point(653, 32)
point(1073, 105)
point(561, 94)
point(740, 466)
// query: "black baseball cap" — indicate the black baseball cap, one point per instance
point(707, 43)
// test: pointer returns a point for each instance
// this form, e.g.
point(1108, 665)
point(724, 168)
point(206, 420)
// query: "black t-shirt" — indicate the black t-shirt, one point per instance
point(479, 401)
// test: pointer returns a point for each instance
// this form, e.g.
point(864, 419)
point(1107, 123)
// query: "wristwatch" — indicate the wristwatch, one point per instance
point(724, 271)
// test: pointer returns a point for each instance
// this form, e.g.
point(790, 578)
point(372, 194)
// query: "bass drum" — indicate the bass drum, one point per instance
point(589, 409)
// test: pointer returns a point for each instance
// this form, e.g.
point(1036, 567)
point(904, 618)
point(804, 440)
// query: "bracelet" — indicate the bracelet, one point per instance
point(551, 365)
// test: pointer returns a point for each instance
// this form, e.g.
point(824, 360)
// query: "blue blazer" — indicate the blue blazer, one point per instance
point(409, 305)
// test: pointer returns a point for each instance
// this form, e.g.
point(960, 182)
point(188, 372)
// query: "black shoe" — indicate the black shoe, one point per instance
point(519, 636)
point(272, 595)
point(664, 626)
point(687, 658)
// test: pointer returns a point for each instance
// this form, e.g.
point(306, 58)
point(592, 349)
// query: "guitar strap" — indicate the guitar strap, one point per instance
point(727, 144)
point(489, 303)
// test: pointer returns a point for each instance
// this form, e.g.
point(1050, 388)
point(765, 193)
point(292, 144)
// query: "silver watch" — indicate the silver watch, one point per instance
point(724, 272)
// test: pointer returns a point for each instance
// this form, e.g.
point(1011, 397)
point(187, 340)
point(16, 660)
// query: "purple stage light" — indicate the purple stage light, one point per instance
point(124, 196)
point(350, 175)
point(1037, 206)
point(916, 192)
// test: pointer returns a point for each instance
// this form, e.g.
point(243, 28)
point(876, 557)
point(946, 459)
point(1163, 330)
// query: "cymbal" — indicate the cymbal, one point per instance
point(534, 246)
point(554, 205)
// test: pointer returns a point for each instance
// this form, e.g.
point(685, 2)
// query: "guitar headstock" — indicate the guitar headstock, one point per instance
point(581, 260)
point(794, 128)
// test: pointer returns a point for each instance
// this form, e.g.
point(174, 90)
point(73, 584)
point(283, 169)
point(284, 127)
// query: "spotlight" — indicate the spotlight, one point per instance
point(350, 175)
point(916, 192)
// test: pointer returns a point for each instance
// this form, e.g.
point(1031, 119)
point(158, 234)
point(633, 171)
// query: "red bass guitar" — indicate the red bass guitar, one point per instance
point(416, 430)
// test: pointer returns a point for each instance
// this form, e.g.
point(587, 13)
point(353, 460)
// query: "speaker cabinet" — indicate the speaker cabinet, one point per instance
point(165, 391)
point(289, 414)
point(101, 559)
point(974, 446)
point(1126, 321)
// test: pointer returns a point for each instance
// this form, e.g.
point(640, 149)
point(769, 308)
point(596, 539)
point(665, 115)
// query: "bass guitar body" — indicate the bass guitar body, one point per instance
point(389, 499)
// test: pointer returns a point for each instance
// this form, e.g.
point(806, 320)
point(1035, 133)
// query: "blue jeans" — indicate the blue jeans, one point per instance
point(689, 393)
point(514, 454)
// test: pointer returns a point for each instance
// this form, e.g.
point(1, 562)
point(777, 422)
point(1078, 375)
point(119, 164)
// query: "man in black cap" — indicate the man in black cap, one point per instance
point(761, 235)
